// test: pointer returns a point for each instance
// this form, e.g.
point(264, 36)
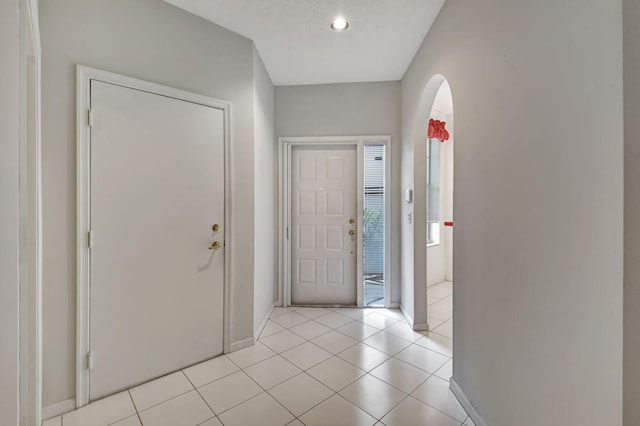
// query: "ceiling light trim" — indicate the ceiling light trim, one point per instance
point(339, 24)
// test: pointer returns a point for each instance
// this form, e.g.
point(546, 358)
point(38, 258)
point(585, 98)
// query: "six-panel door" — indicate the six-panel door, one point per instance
point(323, 220)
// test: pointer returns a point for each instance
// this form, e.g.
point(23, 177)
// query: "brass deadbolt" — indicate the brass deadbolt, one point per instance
point(216, 228)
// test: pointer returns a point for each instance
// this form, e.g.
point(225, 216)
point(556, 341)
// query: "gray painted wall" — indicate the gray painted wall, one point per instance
point(265, 193)
point(511, 87)
point(9, 290)
point(537, 95)
point(344, 110)
point(150, 40)
point(631, 212)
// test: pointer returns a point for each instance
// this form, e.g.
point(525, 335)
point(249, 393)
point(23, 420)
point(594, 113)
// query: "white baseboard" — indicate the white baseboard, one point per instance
point(241, 344)
point(419, 326)
point(408, 317)
point(258, 331)
point(58, 408)
point(466, 404)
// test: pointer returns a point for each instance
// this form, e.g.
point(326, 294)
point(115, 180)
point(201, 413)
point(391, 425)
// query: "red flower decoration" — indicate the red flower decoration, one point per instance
point(437, 130)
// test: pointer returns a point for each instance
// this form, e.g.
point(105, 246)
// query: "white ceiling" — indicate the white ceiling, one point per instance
point(297, 46)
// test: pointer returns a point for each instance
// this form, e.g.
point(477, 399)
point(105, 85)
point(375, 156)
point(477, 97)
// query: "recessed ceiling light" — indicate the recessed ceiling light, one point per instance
point(339, 24)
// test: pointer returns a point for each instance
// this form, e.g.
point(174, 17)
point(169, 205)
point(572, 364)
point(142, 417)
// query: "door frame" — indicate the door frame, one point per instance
point(84, 75)
point(285, 144)
point(30, 216)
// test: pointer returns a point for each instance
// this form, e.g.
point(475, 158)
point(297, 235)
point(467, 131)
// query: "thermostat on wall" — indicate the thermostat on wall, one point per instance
point(408, 195)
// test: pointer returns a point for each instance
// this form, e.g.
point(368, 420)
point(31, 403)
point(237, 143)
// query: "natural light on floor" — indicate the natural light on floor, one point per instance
point(311, 366)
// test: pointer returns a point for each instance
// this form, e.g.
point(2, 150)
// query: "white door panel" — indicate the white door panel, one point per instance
point(323, 200)
point(157, 188)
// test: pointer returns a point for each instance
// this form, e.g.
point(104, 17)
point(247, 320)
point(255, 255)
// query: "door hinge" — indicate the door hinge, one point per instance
point(90, 117)
point(90, 239)
point(89, 360)
point(287, 232)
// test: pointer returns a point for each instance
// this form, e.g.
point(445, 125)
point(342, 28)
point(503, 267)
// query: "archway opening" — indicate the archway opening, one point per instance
point(424, 227)
point(439, 213)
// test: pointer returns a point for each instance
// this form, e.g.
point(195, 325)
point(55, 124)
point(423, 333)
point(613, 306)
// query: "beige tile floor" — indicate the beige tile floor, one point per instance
point(311, 366)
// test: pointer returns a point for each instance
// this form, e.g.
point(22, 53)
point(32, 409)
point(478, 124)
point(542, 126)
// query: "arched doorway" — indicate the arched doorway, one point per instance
point(432, 233)
point(437, 98)
point(439, 213)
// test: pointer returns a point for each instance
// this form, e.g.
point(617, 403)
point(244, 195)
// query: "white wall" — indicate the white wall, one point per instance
point(435, 263)
point(9, 290)
point(265, 159)
point(631, 212)
point(150, 40)
point(537, 92)
point(347, 110)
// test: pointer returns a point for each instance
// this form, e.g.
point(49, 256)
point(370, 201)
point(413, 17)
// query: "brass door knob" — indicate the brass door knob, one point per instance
point(215, 246)
point(352, 232)
point(216, 228)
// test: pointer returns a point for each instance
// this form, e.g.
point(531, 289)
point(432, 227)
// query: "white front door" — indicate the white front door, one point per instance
point(323, 217)
point(157, 189)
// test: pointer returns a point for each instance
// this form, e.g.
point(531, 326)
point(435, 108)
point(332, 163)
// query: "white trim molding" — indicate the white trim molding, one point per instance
point(30, 216)
point(84, 75)
point(284, 208)
point(414, 326)
point(241, 344)
point(58, 408)
point(262, 325)
point(466, 404)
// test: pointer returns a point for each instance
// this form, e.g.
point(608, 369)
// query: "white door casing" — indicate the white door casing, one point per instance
point(30, 216)
point(156, 165)
point(286, 147)
point(323, 203)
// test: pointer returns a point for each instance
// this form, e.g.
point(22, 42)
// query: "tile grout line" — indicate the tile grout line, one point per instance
point(135, 407)
point(251, 365)
point(298, 417)
point(159, 403)
point(266, 391)
point(410, 395)
point(371, 369)
point(278, 353)
point(202, 397)
point(438, 352)
point(316, 322)
point(219, 378)
point(258, 384)
point(438, 410)
point(391, 409)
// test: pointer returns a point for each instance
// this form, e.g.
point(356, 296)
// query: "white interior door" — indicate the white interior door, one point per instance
point(323, 217)
point(157, 189)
